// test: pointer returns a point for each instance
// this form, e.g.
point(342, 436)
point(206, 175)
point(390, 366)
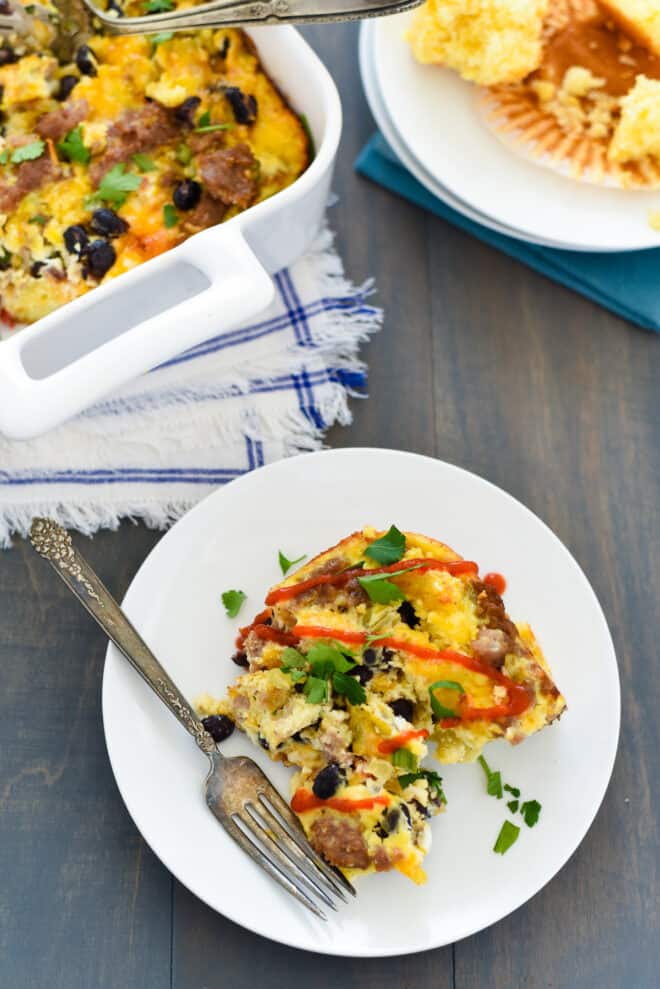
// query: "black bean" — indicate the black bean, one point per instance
point(240, 659)
point(386, 657)
point(392, 818)
point(244, 105)
point(67, 83)
point(327, 781)
point(185, 112)
point(5, 259)
point(35, 270)
point(408, 614)
point(363, 673)
point(403, 708)
point(108, 223)
point(76, 239)
point(114, 6)
point(85, 60)
point(100, 257)
point(263, 743)
point(224, 47)
point(424, 812)
point(187, 194)
point(406, 813)
point(369, 657)
point(219, 726)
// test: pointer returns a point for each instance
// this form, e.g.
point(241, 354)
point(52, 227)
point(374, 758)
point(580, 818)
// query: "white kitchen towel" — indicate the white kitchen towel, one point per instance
point(242, 399)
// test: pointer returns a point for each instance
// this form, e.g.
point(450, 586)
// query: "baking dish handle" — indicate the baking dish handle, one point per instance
point(206, 286)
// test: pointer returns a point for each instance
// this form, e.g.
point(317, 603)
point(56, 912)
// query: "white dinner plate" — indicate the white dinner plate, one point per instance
point(393, 138)
point(303, 505)
point(438, 118)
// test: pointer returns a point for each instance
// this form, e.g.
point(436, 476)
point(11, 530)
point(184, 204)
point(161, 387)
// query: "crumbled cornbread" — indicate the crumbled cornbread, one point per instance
point(640, 18)
point(486, 41)
point(638, 131)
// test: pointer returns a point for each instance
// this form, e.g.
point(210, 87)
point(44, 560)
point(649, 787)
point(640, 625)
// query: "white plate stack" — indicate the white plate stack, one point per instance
point(432, 119)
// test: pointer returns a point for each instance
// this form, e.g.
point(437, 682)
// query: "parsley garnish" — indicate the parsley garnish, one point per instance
point(404, 759)
point(513, 790)
point(143, 162)
point(170, 216)
point(530, 811)
point(28, 152)
point(512, 805)
point(72, 147)
point(326, 662)
point(439, 709)
point(389, 548)
point(433, 779)
point(316, 690)
point(39, 218)
point(285, 565)
point(158, 6)
point(349, 687)
point(292, 659)
point(506, 838)
point(493, 780)
point(380, 589)
point(232, 601)
point(116, 184)
point(205, 119)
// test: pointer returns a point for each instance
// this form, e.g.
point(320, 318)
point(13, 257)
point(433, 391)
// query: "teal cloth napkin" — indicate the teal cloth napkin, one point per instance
point(627, 283)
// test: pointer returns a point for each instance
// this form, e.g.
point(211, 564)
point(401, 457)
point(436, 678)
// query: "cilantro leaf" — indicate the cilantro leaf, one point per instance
point(316, 690)
point(326, 655)
point(205, 119)
point(170, 216)
point(207, 128)
point(380, 588)
point(285, 565)
point(72, 148)
point(506, 838)
point(116, 183)
point(530, 811)
point(158, 6)
point(512, 805)
point(404, 759)
point(28, 152)
point(297, 675)
point(389, 548)
point(232, 601)
point(349, 687)
point(4, 156)
point(513, 790)
point(143, 162)
point(292, 659)
point(439, 709)
point(158, 39)
point(493, 779)
point(39, 218)
point(433, 779)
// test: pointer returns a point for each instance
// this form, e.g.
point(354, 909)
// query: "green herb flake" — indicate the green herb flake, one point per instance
point(116, 184)
point(513, 805)
point(493, 779)
point(170, 216)
point(144, 162)
point(433, 779)
point(506, 838)
point(162, 36)
point(349, 687)
point(4, 156)
point(285, 565)
point(39, 218)
point(316, 690)
point(380, 589)
point(183, 154)
point(404, 759)
point(232, 601)
point(292, 659)
point(389, 548)
point(439, 709)
point(72, 148)
point(208, 128)
point(530, 811)
point(28, 152)
point(204, 120)
point(513, 790)
point(158, 6)
point(326, 659)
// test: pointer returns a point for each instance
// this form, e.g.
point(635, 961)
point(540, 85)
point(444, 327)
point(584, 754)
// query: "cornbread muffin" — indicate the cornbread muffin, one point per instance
point(639, 18)
point(638, 131)
point(377, 648)
point(486, 41)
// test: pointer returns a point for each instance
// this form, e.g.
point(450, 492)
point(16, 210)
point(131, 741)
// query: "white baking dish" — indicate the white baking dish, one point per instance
point(210, 284)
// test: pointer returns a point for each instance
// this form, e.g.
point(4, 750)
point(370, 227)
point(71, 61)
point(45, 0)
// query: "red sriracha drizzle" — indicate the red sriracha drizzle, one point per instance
point(264, 631)
point(455, 567)
point(306, 800)
point(397, 741)
point(497, 581)
point(519, 698)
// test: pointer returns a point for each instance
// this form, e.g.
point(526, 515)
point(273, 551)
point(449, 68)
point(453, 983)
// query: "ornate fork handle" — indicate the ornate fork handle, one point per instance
point(54, 543)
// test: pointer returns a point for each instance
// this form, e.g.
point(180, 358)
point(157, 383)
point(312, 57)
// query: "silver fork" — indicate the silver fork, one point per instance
point(237, 792)
point(79, 19)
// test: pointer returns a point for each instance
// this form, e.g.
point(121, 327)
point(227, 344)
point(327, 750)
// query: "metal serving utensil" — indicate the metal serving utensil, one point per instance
point(79, 19)
point(237, 792)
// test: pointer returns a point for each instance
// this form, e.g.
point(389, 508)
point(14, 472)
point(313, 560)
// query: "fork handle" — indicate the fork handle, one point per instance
point(54, 543)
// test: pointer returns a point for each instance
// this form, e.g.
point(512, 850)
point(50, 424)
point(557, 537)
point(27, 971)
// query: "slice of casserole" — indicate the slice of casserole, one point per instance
point(376, 648)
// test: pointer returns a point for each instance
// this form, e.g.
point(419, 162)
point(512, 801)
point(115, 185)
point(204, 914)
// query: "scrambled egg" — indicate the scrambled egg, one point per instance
point(171, 135)
point(364, 657)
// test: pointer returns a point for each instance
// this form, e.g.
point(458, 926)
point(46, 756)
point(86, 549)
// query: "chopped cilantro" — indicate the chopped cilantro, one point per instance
point(530, 811)
point(493, 780)
point(512, 805)
point(144, 162)
point(4, 156)
point(39, 218)
point(158, 6)
point(297, 675)
point(439, 709)
point(389, 548)
point(292, 659)
point(208, 128)
point(316, 690)
point(285, 565)
point(158, 39)
point(349, 687)
point(404, 759)
point(433, 779)
point(170, 216)
point(506, 838)
point(232, 601)
point(380, 589)
point(116, 184)
point(72, 148)
point(28, 152)
point(513, 790)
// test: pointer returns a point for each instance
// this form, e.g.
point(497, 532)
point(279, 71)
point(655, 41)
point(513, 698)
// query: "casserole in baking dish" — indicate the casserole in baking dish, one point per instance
point(257, 176)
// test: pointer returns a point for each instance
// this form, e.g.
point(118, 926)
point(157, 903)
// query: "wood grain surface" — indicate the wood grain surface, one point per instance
point(484, 364)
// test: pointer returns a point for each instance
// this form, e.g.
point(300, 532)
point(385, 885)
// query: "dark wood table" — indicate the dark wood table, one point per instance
point(481, 363)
